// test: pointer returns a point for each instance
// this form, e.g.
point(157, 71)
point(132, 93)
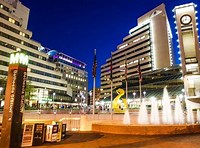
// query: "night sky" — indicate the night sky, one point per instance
point(77, 27)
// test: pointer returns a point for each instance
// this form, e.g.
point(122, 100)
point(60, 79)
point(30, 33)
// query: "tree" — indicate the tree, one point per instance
point(3, 81)
point(29, 93)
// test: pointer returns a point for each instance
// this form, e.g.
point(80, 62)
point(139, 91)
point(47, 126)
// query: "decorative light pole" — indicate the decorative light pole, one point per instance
point(144, 93)
point(134, 95)
point(1, 89)
point(53, 99)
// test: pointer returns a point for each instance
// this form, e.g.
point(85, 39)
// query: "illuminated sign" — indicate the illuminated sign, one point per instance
point(23, 92)
point(13, 88)
point(19, 58)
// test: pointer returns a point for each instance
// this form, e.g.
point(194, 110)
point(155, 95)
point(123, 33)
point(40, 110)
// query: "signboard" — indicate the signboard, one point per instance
point(14, 101)
point(18, 58)
point(38, 136)
point(51, 133)
point(27, 138)
point(48, 133)
point(54, 133)
point(63, 133)
point(59, 131)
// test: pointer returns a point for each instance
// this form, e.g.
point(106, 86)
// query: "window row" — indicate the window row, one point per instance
point(18, 40)
point(4, 63)
point(4, 7)
point(45, 74)
point(41, 65)
point(45, 81)
point(133, 46)
point(2, 72)
point(25, 51)
point(14, 30)
point(10, 19)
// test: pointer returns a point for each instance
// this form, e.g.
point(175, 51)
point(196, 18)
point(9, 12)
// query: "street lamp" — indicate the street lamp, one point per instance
point(61, 103)
point(134, 95)
point(1, 88)
point(144, 93)
point(53, 98)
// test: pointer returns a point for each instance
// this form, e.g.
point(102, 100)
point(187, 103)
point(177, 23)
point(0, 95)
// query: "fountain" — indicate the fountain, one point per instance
point(154, 112)
point(156, 127)
point(143, 115)
point(190, 116)
point(126, 119)
point(178, 116)
point(167, 112)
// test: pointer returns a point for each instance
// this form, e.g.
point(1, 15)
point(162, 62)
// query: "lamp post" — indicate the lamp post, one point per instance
point(1, 88)
point(53, 98)
point(61, 103)
point(144, 93)
point(134, 95)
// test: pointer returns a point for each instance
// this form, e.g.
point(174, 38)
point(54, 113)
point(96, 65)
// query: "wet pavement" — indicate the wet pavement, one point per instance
point(101, 140)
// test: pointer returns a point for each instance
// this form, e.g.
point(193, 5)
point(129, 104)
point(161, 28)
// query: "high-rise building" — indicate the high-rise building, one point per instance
point(48, 77)
point(97, 96)
point(73, 71)
point(149, 45)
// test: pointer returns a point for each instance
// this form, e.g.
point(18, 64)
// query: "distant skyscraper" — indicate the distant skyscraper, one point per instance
point(150, 43)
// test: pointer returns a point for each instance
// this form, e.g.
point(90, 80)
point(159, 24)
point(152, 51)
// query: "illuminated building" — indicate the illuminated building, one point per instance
point(186, 24)
point(149, 43)
point(73, 71)
point(47, 77)
point(187, 31)
point(97, 96)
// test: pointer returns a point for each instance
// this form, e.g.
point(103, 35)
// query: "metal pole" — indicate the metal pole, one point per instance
point(53, 99)
point(93, 97)
point(126, 89)
point(140, 91)
point(111, 100)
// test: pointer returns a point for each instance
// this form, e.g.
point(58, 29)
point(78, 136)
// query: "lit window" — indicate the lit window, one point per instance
point(1, 6)
point(10, 20)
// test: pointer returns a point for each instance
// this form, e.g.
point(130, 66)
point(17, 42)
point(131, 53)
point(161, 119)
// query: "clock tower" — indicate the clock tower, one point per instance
point(186, 25)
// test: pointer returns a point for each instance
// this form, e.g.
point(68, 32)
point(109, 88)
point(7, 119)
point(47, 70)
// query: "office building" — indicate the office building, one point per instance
point(73, 71)
point(47, 77)
point(149, 45)
point(97, 96)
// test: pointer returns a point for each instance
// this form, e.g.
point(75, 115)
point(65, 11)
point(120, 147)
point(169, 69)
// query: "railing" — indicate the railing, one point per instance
point(73, 124)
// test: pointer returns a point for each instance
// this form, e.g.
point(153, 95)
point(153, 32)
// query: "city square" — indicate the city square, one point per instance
point(145, 93)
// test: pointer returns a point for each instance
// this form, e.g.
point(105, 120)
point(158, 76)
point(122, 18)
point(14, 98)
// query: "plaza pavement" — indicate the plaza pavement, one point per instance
point(100, 140)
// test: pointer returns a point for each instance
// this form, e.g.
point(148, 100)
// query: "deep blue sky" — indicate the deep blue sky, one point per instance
point(77, 27)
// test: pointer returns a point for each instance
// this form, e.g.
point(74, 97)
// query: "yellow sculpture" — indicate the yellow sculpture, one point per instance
point(120, 104)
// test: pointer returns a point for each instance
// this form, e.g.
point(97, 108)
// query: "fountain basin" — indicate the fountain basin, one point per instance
point(146, 129)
